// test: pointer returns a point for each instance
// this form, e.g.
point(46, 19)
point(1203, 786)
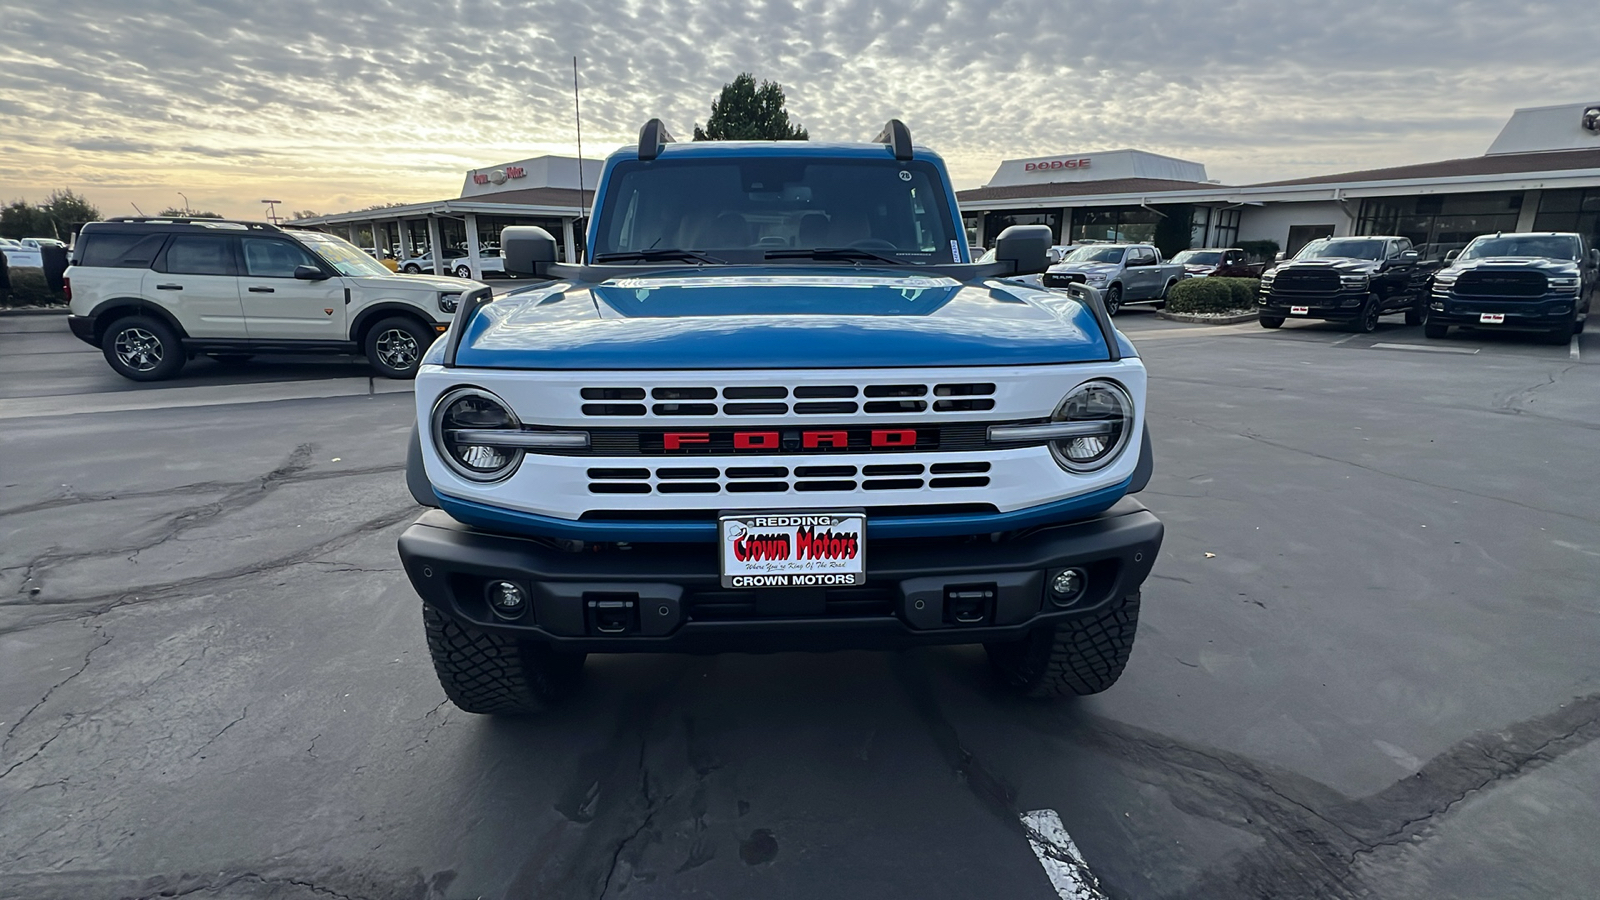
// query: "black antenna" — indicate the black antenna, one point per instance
point(577, 113)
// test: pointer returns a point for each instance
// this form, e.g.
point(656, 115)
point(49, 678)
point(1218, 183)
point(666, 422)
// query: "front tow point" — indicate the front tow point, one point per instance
point(970, 604)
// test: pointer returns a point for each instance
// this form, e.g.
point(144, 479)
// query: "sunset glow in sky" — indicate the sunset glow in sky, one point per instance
point(338, 106)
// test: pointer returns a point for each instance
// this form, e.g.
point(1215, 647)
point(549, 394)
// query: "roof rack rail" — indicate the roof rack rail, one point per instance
point(897, 135)
point(652, 136)
point(196, 220)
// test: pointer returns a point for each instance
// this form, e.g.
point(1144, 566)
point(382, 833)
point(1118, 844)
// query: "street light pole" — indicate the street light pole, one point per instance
point(186, 208)
point(272, 210)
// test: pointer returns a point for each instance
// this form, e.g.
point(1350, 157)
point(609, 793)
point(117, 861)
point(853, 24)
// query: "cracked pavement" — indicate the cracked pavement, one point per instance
point(1365, 666)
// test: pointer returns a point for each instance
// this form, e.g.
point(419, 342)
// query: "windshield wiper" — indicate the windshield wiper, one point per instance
point(655, 256)
point(837, 253)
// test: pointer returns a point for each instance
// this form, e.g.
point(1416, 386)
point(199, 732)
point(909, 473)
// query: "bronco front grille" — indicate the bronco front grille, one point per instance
point(787, 440)
point(1308, 281)
point(783, 479)
point(778, 400)
point(1501, 284)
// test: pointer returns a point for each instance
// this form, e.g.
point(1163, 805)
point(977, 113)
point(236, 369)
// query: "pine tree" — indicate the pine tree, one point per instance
point(745, 112)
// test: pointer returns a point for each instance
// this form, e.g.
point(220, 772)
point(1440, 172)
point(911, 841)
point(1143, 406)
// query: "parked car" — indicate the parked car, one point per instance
point(1123, 273)
point(1544, 281)
point(1218, 262)
point(418, 265)
point(19, 255)
point(487, 265)
point(633, 458)
point(153, 293)
point(1354, 280)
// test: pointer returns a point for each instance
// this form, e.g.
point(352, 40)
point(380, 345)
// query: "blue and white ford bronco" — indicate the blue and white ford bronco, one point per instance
point(777, 408)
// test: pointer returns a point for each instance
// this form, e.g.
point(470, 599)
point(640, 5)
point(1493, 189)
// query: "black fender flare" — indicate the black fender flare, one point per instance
point(417, 476)
point(371, 314)
point(106, 311)
point(1146, 465)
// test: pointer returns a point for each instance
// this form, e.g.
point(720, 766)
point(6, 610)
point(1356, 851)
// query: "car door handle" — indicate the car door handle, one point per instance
point(169, 287)
point(260, 290)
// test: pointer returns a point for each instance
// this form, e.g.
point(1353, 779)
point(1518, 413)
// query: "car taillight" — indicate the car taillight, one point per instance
point(66, 288)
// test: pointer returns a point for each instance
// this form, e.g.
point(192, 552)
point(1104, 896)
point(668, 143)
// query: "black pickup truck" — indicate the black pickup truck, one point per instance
point(1544, 282)
point(1347, 279)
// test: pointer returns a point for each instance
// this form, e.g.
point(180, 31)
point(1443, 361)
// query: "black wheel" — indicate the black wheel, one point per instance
point(1083, 656)
point(232, 359)
point(463, 272)
point(1563, 335)
point(142, 348)
point(1417, 313)
point(1367, 321)
point(493, 675)
point(1435, 330)
point(395, 346)
point(1113, 299)
point(1272, 321)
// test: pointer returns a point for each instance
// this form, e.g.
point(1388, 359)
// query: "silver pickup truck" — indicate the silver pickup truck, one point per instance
point(1123, 273)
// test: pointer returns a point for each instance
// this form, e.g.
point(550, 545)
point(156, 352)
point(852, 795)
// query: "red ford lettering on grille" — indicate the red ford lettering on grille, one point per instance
point(836, 440)
point(674, 440)
point(755, 440)
point(896, 437)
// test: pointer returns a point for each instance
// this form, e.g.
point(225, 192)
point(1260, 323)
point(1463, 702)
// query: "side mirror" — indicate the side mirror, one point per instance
point(1594, 257)
point(1026, 247)
point(528, 249)
point(1409, 256)
point(1280, 256)
point(309, 273)
point(1451, 255)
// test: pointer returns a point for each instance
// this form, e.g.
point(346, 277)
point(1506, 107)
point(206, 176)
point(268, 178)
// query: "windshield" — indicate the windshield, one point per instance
point(1198, 257)
point(1549, 246)
point(1095, 254)
point(742, 210)
point(345, 257)
point(1341, 249)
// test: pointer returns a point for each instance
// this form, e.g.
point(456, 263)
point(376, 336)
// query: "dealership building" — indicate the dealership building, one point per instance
point(549, 191)
point(1541, 174)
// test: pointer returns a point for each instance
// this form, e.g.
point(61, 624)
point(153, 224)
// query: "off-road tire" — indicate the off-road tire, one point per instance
point(1366, 322)
point(1417, 314)
point(1563, 334)
point(1272, 321)
point(1082, 656)
point(383, 341)
point(1113, 299)
point(488, 674)
point(122, 342)
point(1435, 331)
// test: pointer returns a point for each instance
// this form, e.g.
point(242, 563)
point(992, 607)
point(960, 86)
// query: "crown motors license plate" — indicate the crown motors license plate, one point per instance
point(787, 550)
point(1299, 310)
point(1492, 319)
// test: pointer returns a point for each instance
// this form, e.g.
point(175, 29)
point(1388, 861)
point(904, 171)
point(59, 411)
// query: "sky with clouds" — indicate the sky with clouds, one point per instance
point(334, 106)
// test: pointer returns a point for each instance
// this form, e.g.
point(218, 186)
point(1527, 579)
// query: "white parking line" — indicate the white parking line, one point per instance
point(1424, 348)
point(1574, 351)
point(208, 395)
point(1063, 864)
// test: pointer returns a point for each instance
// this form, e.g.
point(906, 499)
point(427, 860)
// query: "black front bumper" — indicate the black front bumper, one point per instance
point(1551, 311)
point(1344, 306)
point(83, 329)
point(675, 602)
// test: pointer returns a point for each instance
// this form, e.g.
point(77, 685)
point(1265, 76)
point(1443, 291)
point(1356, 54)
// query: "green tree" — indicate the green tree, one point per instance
point(20, 219)
point(745, 112)
point(70, 211)
point(58, 217)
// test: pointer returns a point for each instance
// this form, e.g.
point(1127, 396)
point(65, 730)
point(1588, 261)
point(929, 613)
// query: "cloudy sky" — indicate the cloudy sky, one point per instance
point(333, 106)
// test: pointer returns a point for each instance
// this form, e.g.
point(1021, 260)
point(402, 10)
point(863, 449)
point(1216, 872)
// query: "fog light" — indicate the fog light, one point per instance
point(507, 599)
point(1067, 586)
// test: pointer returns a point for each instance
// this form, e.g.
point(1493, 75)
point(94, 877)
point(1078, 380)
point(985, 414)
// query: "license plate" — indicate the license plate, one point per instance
point(1492, 318)
point(779, 550)
point(1299, 310)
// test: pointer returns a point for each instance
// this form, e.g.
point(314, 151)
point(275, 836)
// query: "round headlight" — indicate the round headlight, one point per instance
point(463, 422)
point(1099, 403)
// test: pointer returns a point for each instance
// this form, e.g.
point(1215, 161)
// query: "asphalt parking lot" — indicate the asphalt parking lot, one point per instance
point(1366, 666)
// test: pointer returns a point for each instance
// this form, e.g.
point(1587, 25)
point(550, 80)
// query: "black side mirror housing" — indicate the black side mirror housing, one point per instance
point(1026, 247)
point(1594, 257)
point(309, 273)
point(528, 250)
point(1451, 255)
point(1409, 256)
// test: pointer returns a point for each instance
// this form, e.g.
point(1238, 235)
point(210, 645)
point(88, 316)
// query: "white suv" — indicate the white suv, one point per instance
point(154, 293)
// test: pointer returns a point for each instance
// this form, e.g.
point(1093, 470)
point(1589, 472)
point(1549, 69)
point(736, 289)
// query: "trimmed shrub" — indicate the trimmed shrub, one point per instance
point(28, 288)
point(1244, 291)
point(1199, 295)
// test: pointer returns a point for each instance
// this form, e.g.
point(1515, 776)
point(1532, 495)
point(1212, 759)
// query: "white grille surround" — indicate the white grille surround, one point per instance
point(559, 486)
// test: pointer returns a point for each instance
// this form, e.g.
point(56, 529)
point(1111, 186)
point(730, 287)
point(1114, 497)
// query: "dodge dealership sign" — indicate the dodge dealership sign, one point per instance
point(1078, 163)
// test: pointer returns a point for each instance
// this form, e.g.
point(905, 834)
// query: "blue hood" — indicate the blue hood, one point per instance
point(756, 318)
